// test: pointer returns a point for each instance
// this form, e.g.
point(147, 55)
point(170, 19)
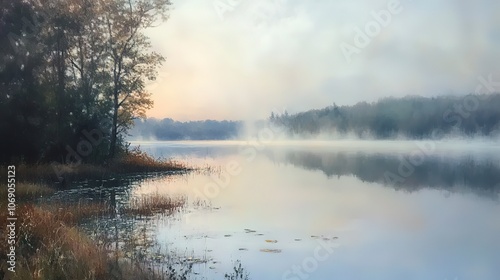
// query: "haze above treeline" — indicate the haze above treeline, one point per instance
point(411, 117)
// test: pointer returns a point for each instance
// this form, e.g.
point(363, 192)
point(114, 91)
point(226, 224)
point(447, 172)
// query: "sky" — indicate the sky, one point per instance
point(242, 59)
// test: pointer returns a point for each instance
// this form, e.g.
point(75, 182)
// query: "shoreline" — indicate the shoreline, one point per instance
point(49, 242)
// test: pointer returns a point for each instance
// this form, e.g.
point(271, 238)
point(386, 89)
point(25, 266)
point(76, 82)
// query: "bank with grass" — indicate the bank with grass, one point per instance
point(49, 242)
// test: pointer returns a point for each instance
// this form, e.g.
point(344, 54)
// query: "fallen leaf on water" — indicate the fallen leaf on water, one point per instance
point(270, 250)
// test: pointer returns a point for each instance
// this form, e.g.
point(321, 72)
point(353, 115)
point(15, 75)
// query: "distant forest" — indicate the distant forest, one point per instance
point(168, 129)
point(412, 117)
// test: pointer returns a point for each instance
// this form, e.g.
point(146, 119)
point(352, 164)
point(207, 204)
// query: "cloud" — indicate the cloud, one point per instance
point(286, 54)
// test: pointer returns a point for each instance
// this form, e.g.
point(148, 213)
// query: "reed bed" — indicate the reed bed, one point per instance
point(148, 205)
point(51, 246)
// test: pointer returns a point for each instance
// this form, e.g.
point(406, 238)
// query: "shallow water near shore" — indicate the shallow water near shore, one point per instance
point(320, 209)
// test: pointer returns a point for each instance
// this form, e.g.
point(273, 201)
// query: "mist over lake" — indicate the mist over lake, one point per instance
point(250, 140)
point(329, 209)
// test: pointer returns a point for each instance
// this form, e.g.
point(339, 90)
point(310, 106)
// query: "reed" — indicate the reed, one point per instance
point(51, 246)
point(148, 205)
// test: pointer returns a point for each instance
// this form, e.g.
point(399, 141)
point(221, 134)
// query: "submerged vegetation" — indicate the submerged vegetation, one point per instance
point(238, 273)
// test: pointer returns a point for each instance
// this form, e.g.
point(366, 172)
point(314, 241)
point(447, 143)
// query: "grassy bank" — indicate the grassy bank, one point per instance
point(134, 161)
point(49, 243)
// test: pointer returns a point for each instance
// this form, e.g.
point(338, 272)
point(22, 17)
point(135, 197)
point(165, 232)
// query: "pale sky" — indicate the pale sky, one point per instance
point(242, 59)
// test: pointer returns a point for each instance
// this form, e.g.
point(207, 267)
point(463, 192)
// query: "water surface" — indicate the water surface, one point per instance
point(330, 210)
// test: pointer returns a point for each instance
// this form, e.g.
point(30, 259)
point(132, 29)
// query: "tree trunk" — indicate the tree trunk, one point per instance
point(114, 128)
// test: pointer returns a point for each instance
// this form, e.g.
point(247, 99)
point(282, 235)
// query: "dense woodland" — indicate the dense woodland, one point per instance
point(168, 129)
point(72, 76)
point(411, 117)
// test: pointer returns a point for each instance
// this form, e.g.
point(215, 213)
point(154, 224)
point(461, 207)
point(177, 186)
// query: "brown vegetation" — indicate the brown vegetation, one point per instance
point(50, 246)
point(133, 161)
point(153, 204)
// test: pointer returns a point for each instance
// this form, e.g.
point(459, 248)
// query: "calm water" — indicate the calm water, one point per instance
point(326, 210)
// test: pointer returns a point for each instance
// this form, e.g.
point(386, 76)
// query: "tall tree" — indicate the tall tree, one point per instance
point(65, 66)
point(131, 61)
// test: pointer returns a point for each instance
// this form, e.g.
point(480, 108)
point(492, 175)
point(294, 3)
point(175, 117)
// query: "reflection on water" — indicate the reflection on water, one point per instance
point(464, 172)
point(344, 210)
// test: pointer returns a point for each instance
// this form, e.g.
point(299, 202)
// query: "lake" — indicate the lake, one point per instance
point(322, 209)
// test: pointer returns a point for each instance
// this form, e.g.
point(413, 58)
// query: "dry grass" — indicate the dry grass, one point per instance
point(28, 191)
point(72, 214)
point(50, 246)
point(134, 161)
point(138, 161)
point(149, 205)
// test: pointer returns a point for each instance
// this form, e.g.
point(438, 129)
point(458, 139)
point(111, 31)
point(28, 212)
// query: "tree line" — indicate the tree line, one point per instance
point(413, 117)
point(168, 129)
point(74, 72)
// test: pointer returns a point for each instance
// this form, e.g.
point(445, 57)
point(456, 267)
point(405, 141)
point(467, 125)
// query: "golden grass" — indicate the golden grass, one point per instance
point(149, 205)
point(134, 161)
point(138, 161)
point(72, 214)
point(27, 191)
point(50, 246)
